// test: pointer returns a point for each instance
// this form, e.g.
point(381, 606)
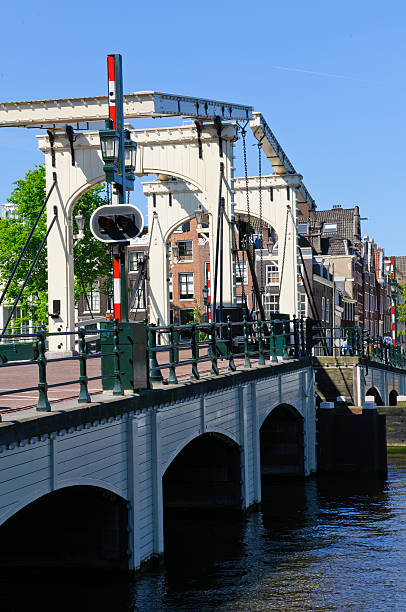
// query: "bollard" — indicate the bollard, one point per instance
point(247, 363)
point(231, 364)
point(172, 380)
point(272, 342)
point(43, 403)
point(213, 349)
point(155, 374)
point(261, 356)
point(118, 387)
point(84, 397)
point(194, 343)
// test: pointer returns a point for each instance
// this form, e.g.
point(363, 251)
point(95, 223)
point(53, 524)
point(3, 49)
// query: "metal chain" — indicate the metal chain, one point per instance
point(244, 149)
point(261, 225)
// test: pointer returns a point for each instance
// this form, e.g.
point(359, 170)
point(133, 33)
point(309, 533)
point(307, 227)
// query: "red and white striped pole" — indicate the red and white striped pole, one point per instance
point(116, 115)
point(116, 283)
point(209, 293)
point(392, 278)
point(111, 74)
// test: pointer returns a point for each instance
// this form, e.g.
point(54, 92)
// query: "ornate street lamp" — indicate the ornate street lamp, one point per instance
point(109, 144)
point(130, 150)
point(199, 215)
point(80, 222)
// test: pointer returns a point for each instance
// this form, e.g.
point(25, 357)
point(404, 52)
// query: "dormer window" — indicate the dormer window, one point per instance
point(329, 228)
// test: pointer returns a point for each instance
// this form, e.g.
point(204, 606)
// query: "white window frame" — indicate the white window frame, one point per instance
point(93, 297)
point(272, 273)
point(130, 257)
point(243, 266)
point(187, 258)
point(181, 282)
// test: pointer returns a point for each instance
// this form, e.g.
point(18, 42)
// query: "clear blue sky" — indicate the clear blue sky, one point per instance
point(328, 76)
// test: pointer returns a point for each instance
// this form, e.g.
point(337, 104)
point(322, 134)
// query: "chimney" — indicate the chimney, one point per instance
point(356, 229)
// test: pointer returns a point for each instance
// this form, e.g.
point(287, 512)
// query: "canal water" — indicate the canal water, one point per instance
point(315, 545)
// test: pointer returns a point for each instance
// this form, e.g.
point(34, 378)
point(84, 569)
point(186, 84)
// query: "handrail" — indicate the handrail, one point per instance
point(240, 344)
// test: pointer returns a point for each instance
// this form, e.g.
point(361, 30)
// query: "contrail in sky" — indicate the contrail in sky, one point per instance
point(323, 74)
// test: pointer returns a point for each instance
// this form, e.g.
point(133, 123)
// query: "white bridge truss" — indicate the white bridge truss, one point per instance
point(190, 156)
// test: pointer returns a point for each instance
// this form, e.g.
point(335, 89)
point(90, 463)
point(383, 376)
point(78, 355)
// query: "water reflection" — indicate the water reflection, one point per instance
point(315, 545)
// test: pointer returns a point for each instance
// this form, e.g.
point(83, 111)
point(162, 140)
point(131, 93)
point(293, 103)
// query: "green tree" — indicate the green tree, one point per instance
point(90, 254)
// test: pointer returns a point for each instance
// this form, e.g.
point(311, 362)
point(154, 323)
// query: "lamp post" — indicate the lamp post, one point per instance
point(118, 153)
point(394, 288)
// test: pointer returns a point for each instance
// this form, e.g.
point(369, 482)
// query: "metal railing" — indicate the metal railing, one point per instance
point(40, 359)
point(354, 341)
point(241, 344)
point(229, 341)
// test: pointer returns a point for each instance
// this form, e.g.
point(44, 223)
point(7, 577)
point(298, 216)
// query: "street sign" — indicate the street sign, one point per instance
point(116, 223)
point(387, 340)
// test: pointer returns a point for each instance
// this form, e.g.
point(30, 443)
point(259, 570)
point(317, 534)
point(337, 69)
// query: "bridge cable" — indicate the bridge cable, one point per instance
point(28, 239)
point(249, 242)
point(30, 270)
point(284, 249)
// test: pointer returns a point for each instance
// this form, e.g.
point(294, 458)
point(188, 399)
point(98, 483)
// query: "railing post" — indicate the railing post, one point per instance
point(43, 404)
point(272, 341)
point(285, 331)
point(172, 380)
point(247, 363)
point(302, 337)
point(155, 374)
point(296, 336)
point(84, 397)
point(213, 349)
point(118, 387)
point(261, 357)
point(231, 364)
point(194, 343)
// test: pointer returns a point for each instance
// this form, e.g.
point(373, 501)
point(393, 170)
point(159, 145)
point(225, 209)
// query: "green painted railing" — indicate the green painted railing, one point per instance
point(241, 344)
point(42, 361)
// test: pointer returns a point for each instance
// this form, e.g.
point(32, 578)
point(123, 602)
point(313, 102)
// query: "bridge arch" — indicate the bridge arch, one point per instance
point(282, 442)
point(393, 397)
point(205, 474)
point(373, 391)
point(78, 526)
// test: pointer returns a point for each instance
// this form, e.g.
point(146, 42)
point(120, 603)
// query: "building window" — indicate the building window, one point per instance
point(241, 272)
point(302, 305)
point(170, 286)
point(134, 258)
point(186, 227)
point(271, 303)
point(327, 310)
point(323, 308)
point(186, 286)
point(329, 228)
point(185, 250)
point(272, 274)
point(93, 298)
point(139, 302)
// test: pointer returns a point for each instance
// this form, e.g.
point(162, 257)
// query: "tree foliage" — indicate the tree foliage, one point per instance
point(91, 256)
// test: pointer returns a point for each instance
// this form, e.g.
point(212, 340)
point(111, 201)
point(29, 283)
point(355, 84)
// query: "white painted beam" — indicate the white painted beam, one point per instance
point(50, 113)
point(277, 157)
